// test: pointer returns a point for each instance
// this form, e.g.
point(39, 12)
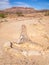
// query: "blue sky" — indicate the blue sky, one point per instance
point(37, 4)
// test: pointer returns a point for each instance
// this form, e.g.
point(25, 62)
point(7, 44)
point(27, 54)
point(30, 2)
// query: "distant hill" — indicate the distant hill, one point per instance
point(23, 10)
point(14, 10)
point(43, 10)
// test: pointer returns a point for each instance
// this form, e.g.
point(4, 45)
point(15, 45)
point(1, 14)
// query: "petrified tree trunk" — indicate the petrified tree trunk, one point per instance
point(24, 37)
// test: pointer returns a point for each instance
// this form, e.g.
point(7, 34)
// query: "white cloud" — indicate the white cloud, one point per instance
point(4, 4)
point(22, 4)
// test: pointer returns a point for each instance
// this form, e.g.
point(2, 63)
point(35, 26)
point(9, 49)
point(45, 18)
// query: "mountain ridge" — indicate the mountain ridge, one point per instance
point(23, 10)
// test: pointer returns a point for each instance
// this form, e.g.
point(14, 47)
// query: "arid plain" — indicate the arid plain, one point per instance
point(37, 29)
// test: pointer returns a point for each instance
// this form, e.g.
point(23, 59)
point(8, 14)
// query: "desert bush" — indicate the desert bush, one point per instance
point(2, 15)
point(19, 14)
point(47, 13)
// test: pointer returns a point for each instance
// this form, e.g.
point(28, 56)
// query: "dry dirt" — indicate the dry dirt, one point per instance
point(23, 54)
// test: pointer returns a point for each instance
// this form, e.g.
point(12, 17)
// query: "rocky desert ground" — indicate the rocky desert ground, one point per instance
point(36, 52)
